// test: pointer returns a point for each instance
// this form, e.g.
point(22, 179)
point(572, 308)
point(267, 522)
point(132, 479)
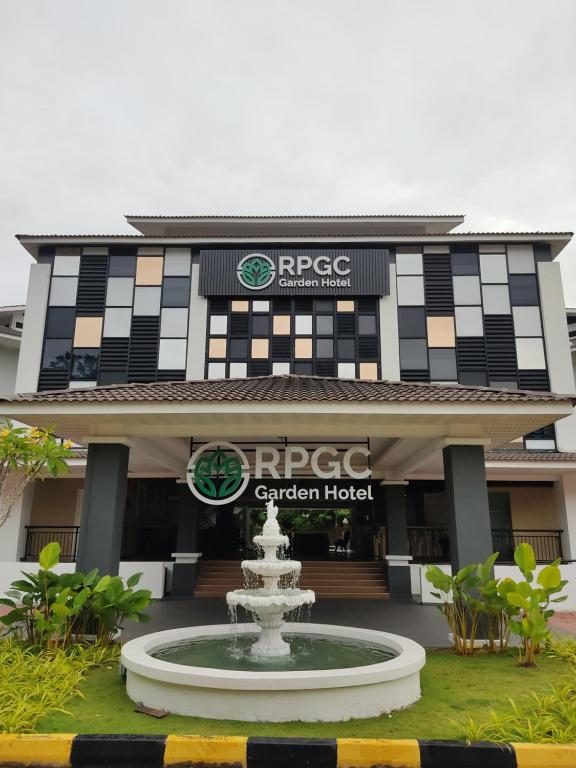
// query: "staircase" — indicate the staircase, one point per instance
point(328, 578)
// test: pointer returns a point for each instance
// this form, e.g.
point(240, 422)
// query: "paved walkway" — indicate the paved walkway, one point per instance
point(564, 622)
point(424, 624)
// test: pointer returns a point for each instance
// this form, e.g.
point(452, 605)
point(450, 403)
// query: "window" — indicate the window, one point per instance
point(85, 364)
point(57, 354)
point(60, 323)
point(523, 290)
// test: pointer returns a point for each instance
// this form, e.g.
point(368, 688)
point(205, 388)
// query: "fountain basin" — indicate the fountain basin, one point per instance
point(272, 696)
point(272, 567)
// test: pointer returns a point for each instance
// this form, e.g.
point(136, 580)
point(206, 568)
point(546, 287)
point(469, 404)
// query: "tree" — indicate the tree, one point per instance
point(27, 454)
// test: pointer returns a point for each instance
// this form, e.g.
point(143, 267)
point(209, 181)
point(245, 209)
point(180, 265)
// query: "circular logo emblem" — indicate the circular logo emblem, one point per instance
point(256, 271)
point(218, 473)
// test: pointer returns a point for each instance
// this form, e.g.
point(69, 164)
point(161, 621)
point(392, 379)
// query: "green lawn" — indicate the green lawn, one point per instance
point(452, 690)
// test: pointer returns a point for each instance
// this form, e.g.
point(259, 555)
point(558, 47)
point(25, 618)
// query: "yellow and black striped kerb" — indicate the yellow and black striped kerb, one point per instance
point(127, 751)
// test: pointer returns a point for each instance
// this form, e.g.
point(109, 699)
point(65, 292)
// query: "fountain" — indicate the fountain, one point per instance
point(271, 602)
point(250, 671)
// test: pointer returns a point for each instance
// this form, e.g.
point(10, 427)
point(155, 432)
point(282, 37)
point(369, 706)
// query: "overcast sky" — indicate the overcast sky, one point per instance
point(110, 107)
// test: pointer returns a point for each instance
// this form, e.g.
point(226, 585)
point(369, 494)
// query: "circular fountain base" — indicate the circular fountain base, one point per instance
point(272, 696)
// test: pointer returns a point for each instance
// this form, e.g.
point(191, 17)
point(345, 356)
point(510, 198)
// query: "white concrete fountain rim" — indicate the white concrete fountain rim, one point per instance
point(136, 657)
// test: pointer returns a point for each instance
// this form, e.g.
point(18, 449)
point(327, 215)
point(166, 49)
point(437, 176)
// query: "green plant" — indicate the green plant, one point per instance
point(460, 605)
point(51, 610)
point(561, 647)
point(532, 602)
point(495, 608)
point(25, 455)
point(36, 683)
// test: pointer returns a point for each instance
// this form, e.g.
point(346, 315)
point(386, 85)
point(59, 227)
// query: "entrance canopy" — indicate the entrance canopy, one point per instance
point(405, 423)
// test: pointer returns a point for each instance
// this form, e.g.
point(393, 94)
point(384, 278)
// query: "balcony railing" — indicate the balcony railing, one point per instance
point(432, 544)
point(37, 536)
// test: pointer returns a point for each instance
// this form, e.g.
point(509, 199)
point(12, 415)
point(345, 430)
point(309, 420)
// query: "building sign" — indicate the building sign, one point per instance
point(218, 472)
point(289, 272)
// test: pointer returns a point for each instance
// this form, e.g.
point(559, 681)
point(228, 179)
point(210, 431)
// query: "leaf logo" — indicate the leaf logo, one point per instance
point(218, 473)
point(256, 271)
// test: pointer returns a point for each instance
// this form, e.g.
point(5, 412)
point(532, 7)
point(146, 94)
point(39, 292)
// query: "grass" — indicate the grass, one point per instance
point(453, 690)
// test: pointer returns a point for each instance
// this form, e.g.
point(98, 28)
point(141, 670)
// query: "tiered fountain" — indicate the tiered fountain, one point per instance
point(250, 672)
point(269, 604)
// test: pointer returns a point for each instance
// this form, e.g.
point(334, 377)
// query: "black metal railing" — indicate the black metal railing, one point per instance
point(432, 544)
point(37, 536)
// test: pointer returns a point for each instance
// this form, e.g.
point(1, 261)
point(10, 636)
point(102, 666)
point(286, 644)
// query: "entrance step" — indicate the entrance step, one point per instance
point(349, 579)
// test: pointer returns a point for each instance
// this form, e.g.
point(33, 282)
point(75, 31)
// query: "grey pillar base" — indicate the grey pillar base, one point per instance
point(399, 582)
point(397, 542)
point(184, 577)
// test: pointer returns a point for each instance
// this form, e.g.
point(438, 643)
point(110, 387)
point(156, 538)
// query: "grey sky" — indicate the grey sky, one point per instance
point(301, 106)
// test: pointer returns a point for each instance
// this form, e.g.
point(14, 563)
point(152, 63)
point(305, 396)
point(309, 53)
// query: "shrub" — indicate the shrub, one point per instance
point(53, 610)
point(34, 683)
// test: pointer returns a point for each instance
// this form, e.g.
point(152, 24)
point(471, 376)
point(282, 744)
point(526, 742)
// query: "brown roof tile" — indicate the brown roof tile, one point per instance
point(290, 388)
point(508, 454)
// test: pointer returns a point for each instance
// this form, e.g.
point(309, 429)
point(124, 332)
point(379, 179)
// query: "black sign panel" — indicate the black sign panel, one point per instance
point(294, 271)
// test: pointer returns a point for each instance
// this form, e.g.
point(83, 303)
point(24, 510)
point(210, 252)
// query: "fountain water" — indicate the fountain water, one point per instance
point(330, 673)
point(270, 603)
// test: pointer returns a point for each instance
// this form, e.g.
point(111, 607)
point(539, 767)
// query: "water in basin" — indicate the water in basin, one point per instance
point(306, 653)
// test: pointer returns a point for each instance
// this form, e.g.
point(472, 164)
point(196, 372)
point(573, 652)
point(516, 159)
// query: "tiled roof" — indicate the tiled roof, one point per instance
point(291, 388)
point(231, 235)
point(508, 454)
point(305, 216)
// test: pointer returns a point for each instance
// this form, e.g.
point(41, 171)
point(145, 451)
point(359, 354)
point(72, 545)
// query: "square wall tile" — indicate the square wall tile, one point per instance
point(260, 349)
point(146, 300)
point(66, 265)
point(63, 291)
point(303, 325)
point(441, 332)
point(527, 321)
point(521, 259)
point(149, 270)
point(410, 291)
point(346, 370)
point(465, 264)
point(409, 264)
point(260, 306)
point(466, 289)
point(280, 369)
point(172, 354)
point(369, 371)
point(117, 322)
point(412, 322)
point(281, 325)
point(345, 305)
point(216, 370)
point(177, 262)
point(239, 370)
point(443, 365)
point(496, 299)
point(122, 266)
point(324, 325)
point(524, 290)
point(469, 321)
point(238, 349)
point(413, 354)
point(60, 323)
point(240, 305)
point(120, 292)
point(217, 348)
point(530, 354)
point(303, 348)
point(174, 322)
point(176, 292)
point(325, 348)
point(218, 325)
point(151, 250)
point(493, 268)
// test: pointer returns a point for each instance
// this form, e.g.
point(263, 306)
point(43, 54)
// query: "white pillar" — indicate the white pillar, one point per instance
point(389, 344)
point(196, 328)
point(33, 332)
point(13, 532)
point(565, 491)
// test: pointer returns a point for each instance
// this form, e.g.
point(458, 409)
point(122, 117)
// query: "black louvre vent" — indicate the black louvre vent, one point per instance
point(179, 375)
point(282, 305)
point(260, 368)
point(239, 325)
point(471, 353)
point(218, 306)
point(368, 347)
point(50, 379)
point(281, 347)
point(438, 291)
point(500, 347)
point(325, 368)
point(143, 349)
point(114, 354)
point(123, 250)
point(414, 376)
point(367, 304)
point(91, 298)
point(303, 305)
point(346, 324)
point(534, 380)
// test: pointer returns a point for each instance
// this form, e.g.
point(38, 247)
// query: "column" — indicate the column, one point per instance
point(398, 556)
point(565, 492)
point(33, 332)
point(185, 569)
point(468, 510)
point(100, 536)
point(13, 532)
